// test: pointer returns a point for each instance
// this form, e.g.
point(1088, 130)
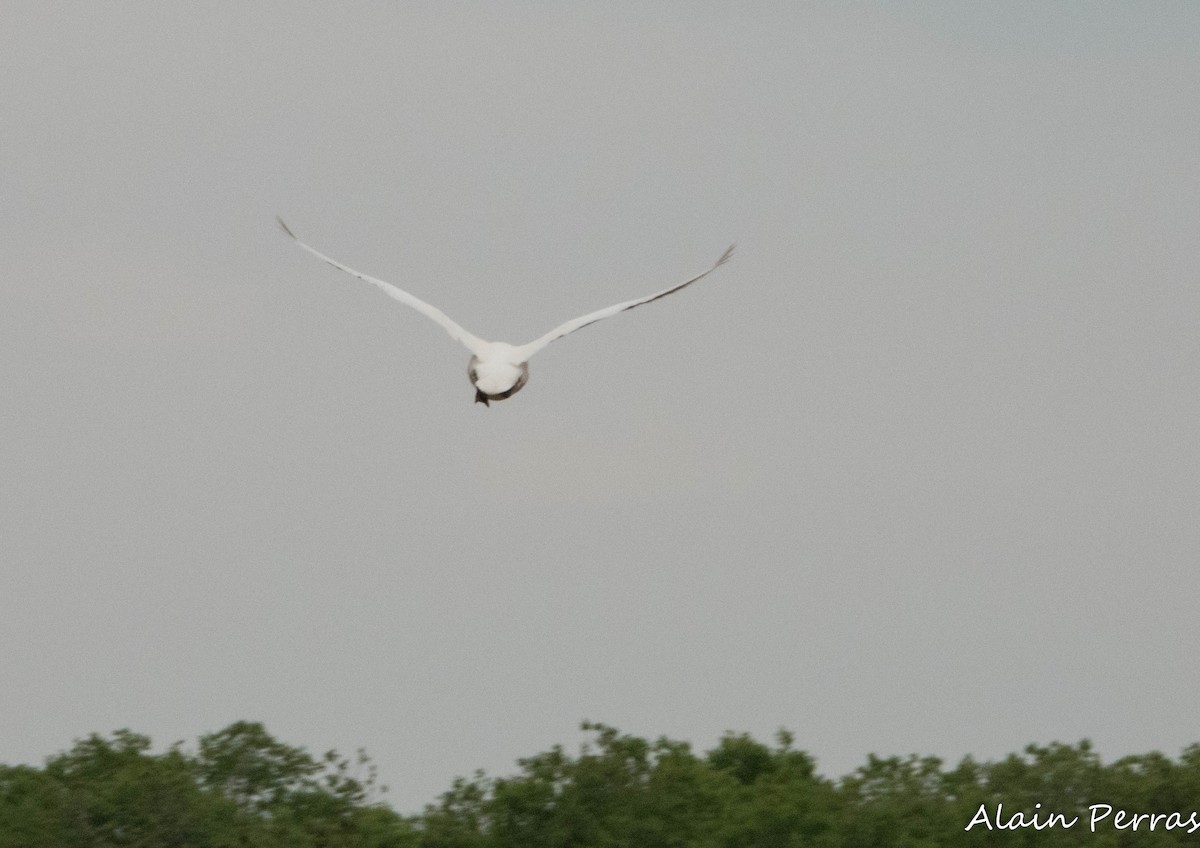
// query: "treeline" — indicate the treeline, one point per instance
point(241, 788)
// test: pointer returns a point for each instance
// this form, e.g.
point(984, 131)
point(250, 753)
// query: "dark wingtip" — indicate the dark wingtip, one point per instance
point(725, 257)
point(284, 227)
point(480, 397)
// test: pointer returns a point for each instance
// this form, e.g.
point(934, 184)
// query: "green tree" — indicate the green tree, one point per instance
point(778, 800)
point(32, 809)
point(244, 789)
point(900, 802)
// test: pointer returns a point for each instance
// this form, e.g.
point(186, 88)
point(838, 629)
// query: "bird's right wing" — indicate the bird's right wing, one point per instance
point(472, 342)
point(528, 350)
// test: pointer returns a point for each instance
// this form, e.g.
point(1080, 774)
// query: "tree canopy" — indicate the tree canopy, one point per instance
point(241, 787)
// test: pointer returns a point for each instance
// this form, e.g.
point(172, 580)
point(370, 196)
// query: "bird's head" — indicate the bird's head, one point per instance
point(496, 381)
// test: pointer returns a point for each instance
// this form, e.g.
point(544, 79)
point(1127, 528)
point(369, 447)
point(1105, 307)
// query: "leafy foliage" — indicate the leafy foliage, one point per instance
point(243, 788)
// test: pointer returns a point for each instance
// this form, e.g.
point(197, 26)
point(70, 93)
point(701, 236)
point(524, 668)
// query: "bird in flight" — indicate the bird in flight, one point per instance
point(499, 370)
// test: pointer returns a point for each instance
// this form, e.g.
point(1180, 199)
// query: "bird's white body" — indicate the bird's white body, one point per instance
point(498, 370)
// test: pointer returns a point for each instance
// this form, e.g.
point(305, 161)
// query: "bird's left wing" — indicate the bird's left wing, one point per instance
point(571, 326)
point(472, 342)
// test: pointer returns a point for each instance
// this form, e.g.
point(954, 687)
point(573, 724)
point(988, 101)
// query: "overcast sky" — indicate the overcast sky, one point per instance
point(918, 471)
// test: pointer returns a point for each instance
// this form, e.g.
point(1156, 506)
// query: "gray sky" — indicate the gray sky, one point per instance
point(918, 471)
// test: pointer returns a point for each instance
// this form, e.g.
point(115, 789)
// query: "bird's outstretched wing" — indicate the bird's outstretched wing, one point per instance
point(571, 326)
point(472, 342)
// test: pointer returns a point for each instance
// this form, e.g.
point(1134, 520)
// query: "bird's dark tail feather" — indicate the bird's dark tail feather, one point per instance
point(480, 397)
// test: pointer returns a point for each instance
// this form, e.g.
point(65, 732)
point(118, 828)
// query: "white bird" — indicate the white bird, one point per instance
point(499, 370)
